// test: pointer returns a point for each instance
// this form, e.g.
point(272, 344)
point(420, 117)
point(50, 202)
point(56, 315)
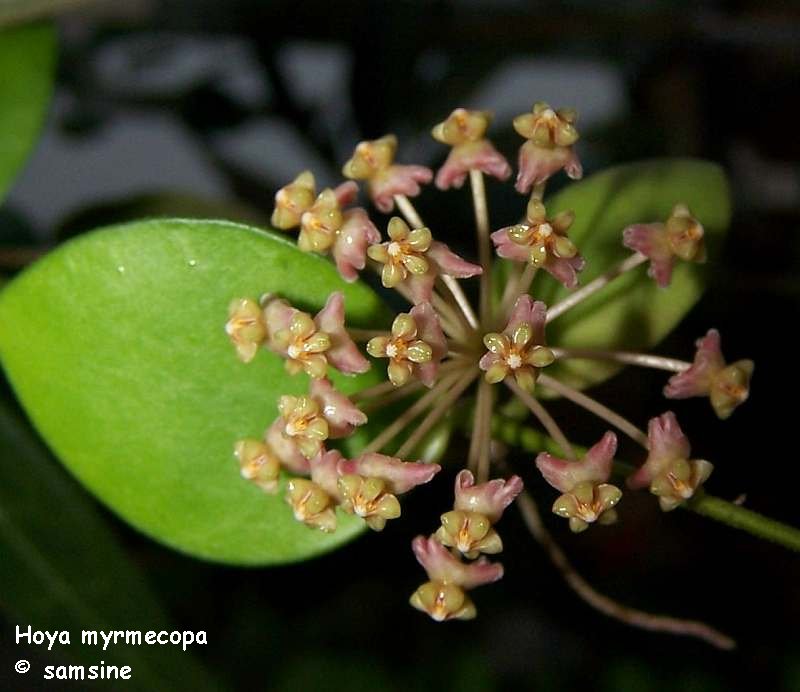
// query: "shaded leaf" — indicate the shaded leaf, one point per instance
point(63, 569)
point(27, 64)
point(632, 312)
point(116, 348)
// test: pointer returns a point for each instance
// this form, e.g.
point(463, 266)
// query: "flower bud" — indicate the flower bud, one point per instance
point(293, 200)
point(443, 602)
point(246, 327)
point(368, 498)
point(258, 463)
point(311, 504)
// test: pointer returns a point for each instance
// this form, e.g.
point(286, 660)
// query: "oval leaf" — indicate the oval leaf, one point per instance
point(632, 312)
point(116, 348)
point(27, 63)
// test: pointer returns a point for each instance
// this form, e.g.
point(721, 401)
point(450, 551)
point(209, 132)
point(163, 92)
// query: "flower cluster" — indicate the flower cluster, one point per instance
point(443, 345)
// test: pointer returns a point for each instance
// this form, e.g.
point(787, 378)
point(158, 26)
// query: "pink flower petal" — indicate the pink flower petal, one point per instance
point(530, 311)
point(508, 249)
point(420, 286)
point(397, 180)
point(342, 415)
point(565, 269)
point(286, 449)
point(448, 262)
point(537, 164)
point(277, 316)
point(487, 360)
point(667, 444)
point(343, 353)
point(324, 471)
point(399, 475)
point(350, 247)
point(442, 566)
point(442, 261)
point(651, 240)
point(463, 158)
point(346, 193)
point(489, 499)
point(594, 467)
point(697, 380)
point(430, 331)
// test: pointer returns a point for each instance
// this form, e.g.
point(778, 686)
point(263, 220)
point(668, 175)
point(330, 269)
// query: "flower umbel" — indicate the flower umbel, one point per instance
point(444, 344)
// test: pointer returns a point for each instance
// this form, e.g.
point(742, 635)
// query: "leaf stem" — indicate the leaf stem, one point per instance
point(592, 287)
point(746, 520)
point(644, 360)
point(596, 408)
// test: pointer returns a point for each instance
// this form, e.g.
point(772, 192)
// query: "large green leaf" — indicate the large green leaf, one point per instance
point(63, 569)
point(115, 346)
point(27, 62)
point(632, 312)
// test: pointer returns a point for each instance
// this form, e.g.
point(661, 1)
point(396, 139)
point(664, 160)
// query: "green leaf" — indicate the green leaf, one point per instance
point(116, 348)
point(632, 312)
point(63, 568)
point(27, 64)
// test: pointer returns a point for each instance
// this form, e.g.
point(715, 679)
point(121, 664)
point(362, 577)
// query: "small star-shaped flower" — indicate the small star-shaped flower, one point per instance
point(587, 497)
point(519, 350)
point(543, 242)
point(465, 131)
point(727, 386)
point(551, 135)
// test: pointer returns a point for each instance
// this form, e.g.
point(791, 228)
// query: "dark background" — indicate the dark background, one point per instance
point(206, 108)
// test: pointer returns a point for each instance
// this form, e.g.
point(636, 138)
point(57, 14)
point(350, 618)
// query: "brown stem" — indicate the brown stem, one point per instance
point(606, 605)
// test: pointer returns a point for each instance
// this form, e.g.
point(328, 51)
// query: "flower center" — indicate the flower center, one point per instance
point(514, 361)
